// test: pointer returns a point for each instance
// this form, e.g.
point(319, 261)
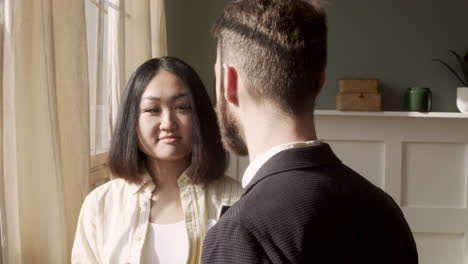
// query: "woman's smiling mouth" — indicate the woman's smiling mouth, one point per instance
point(169, 139)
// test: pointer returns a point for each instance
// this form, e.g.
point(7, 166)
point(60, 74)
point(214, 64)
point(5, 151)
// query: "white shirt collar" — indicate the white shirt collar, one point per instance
point(261, 159)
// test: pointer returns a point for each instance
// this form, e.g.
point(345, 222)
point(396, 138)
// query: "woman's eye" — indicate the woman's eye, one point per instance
point(184, 107)
point(152, 110)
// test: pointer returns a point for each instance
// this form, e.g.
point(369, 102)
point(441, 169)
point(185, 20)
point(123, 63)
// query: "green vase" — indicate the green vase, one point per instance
point(418, 99)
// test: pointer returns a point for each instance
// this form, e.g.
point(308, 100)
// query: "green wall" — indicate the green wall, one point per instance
point(188, 34)
point(394, 41)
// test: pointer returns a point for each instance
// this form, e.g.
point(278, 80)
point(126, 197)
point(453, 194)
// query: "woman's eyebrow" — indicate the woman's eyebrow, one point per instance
point(158, 99)
point(180, 95)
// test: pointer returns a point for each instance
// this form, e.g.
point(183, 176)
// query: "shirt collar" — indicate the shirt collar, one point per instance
point(261, 159)
point(148, 185)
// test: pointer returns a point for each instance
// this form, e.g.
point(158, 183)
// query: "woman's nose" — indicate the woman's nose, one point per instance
point(168, 121)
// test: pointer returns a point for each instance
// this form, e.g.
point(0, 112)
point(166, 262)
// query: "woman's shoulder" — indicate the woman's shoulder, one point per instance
point(113, 186)
point(226, 182)
point(225, 189)
point(114, 190)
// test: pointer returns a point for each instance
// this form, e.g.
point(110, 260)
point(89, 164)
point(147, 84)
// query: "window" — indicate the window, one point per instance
point(96, 27)
point(121, 35)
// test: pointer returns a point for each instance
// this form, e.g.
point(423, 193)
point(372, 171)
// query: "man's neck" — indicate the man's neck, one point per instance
point(265, 130)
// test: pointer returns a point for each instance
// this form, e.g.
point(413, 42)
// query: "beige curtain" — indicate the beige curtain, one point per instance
point(136, 33)
point(45, 128)
point(2, 198)
point(158, 28)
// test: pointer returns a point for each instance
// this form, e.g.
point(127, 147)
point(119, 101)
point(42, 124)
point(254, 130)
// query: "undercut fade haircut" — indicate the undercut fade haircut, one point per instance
point(280, 46)
point(126, 160)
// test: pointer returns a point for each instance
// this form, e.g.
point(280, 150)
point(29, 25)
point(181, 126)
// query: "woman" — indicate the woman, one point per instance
point(168, 164)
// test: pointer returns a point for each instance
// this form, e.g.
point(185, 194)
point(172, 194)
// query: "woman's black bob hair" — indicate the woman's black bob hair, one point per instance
point(209, 160)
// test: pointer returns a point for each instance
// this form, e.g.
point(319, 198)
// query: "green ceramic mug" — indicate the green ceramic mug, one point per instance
point(418, 99)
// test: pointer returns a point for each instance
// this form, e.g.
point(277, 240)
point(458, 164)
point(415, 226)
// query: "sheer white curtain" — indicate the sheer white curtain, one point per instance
point(136, 33)
point(45, 128)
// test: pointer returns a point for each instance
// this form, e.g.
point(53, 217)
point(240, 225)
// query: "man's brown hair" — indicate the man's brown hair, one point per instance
point(280, 46)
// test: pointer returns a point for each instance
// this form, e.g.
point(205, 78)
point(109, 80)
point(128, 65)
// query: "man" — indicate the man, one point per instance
point(301, 204)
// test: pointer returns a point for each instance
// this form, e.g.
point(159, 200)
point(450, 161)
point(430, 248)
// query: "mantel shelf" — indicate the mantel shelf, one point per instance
point(391, 114)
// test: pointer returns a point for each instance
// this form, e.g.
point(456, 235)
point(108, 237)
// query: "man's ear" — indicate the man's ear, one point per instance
point(232, 81)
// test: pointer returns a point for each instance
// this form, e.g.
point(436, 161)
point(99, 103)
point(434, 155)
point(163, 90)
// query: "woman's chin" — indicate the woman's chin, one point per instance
point(170, 156)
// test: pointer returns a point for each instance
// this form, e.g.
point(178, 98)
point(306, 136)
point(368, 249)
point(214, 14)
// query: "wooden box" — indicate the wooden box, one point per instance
point(359, 95)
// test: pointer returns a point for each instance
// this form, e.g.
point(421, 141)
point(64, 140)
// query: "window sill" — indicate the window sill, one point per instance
point(99, 171)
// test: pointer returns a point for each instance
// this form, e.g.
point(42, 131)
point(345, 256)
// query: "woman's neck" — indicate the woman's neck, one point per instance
point(166, 173)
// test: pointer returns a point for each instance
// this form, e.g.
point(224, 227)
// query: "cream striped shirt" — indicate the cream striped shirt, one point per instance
point(114, 218)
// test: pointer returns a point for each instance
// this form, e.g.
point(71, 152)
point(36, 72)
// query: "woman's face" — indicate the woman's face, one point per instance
point(165, 119)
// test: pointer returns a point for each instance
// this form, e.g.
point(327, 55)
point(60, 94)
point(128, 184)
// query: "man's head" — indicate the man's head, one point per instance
point(279, 50)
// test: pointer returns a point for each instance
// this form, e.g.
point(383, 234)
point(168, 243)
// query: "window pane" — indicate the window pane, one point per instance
point(96, 26)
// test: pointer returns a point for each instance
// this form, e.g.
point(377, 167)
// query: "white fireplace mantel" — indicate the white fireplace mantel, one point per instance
point(420, 159)
point(392, 114)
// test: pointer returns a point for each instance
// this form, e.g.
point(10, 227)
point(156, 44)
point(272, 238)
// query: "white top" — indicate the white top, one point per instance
point(261, 159)
point(166, 244)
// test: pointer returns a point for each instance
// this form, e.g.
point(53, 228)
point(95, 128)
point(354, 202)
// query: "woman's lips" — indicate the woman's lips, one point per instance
point(169, 139)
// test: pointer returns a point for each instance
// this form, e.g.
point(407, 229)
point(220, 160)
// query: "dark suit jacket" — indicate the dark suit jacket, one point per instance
point(305, 206)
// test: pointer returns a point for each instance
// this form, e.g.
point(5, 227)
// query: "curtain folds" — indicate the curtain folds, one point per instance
point(158, 29)
point(45, 128)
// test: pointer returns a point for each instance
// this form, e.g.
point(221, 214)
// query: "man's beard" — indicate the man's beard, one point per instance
point(230, 130)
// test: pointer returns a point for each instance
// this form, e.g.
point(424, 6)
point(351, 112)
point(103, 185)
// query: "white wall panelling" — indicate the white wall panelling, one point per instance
point(420, 159)
point(440, 248)
point(440, 168)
